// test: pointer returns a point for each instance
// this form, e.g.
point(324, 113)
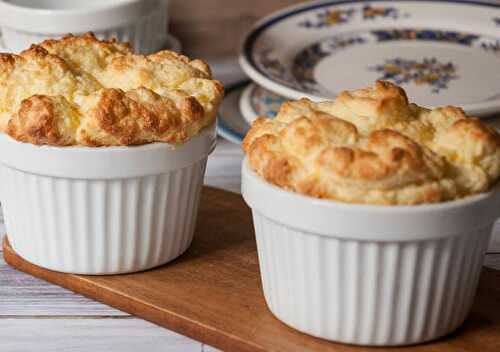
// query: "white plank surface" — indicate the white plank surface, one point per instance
point(224, 167)
point(23, 295)
point(90, 335)
point(207, 348)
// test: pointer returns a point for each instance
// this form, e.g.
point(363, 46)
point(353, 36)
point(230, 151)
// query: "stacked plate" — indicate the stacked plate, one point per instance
point(442, 52)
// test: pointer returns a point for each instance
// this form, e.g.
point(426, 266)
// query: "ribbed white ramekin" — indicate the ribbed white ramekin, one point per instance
point(138, 22)
point(369, 275)
point(102, 210)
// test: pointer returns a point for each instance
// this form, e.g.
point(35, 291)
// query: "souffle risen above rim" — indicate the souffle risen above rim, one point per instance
point(82, 91)
point(372, 146)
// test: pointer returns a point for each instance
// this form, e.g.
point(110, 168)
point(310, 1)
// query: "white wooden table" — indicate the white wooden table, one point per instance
point(41, 317)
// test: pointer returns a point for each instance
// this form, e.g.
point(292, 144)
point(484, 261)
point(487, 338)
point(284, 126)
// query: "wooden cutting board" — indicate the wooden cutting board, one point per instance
point(213, 292)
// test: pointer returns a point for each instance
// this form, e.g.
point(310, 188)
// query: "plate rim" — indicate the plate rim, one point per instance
point(222, 128)
point(246, 109)
point(250, 38)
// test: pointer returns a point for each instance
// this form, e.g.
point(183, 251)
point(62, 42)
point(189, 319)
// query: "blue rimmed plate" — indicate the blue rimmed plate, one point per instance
point(442, 52)
point(244, 101)
point(230, 123)
point(257, 101)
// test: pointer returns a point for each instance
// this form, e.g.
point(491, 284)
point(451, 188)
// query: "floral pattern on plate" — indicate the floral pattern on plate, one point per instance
point(320, 48)
point(329, 17)
point(273, 66)
point(301, 73)
point(371, 12)
point(491, 46)
point(306, 60)
point(425, 34)
point(264, 102)
point(334, 16)
point(429, 71)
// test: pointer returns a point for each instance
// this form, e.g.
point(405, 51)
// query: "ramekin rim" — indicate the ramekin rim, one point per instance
point(62, 12)
point(371, 207)
point(105, 163)
point(79, 148)
point(59, 22)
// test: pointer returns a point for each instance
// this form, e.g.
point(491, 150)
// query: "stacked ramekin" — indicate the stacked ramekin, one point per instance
point(138, 22)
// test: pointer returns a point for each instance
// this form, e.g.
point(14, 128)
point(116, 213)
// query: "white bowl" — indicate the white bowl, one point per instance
point(24, 22)
point(102, 210)
point(365, 274)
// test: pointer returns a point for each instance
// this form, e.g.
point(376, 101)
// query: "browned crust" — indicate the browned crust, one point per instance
point(185, 101)
point(84, 40)
point(34, 53)
point(36, 123)
point(120, 118)
point(358, 149)
point(473, 128)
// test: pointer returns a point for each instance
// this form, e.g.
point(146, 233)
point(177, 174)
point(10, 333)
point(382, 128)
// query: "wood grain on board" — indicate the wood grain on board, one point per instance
point(213, 292)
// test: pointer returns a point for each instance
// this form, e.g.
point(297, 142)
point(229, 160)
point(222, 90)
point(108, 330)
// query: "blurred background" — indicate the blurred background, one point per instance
point(215, 28)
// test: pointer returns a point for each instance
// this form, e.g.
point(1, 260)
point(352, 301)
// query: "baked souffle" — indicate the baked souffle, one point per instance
point(372, 146)
point(83, 91)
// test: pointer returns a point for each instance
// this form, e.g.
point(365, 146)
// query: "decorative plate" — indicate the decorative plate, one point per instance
point(442, 52)
point(230, 123)
point(257, 101)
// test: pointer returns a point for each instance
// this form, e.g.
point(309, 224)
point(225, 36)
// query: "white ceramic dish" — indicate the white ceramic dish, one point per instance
point(439, 60)
point(168, 42)
point(102, 210)
point(369, 275)
point(256, 101)
point(138, 22)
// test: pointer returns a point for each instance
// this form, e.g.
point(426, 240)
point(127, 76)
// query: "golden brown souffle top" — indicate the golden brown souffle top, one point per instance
point(372, 146)
point(82, 91)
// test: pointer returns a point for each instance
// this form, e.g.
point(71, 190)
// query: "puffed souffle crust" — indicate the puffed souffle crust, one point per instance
point(83, 91)
point(371, 146)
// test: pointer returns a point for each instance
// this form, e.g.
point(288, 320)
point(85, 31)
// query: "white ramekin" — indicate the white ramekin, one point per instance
point(24, 22)
point(364, 274)
point(102, 210)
